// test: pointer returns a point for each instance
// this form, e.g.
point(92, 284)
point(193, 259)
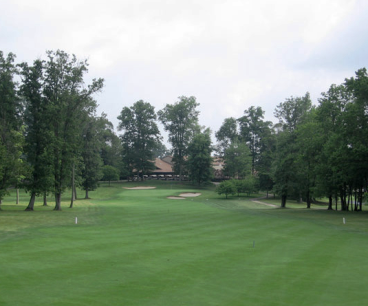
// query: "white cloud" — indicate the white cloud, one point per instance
point(229, 54)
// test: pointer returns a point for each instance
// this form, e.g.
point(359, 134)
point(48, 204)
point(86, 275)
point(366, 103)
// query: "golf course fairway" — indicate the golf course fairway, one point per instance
point(137, 247)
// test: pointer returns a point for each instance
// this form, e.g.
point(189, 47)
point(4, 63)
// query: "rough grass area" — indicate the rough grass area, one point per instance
point(136, 247)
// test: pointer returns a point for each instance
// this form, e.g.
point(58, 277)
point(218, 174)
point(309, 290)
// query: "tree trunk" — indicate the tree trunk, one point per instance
point(360, 199)
point(350, 200)
point(73, 187)
point(31, 202)
point(283, 201)
point(57, 201)
point(343, 199)
point(86, 194)
point(329, 203)
point(17, 200)
point(72, 199)
point(308, 202)
point(45, 199)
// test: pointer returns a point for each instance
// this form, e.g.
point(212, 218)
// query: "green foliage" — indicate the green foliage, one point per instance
point(39, 136)
point(11, 138)
point(180, 120)
point(226, 135)
point(226, 188)
point(199, 158)
point(291, 114)
point(58, 105)
point(238, 184)
point(160, 150)
point(237, 160)
point(48, 127)
point(92, 143)
point(253, 130)
point(110, 173)
point(247, 185)
point(140, 136)
point(111, 149)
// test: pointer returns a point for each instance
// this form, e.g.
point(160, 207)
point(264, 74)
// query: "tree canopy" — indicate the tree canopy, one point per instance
point(140, 136)
point(199, 158)
point(180, 120)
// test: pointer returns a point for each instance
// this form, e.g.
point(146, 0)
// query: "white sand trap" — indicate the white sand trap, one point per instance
point(176, 198)
point(190, 194)
point(140, 188)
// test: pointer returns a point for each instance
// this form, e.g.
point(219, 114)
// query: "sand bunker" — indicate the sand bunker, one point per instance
point(189, 194)
point(137, 188)
point(182, 196)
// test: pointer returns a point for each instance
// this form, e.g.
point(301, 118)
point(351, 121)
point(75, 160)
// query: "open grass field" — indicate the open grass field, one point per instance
point(136, 247)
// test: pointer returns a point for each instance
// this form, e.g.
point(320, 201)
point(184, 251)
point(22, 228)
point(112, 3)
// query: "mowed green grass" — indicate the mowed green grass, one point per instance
point(136, 247)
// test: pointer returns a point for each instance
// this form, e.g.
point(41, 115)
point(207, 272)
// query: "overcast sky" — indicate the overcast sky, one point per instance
point(230, 54)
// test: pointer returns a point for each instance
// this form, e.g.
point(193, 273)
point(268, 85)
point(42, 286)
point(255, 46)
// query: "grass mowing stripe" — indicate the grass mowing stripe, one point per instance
point(138, 248)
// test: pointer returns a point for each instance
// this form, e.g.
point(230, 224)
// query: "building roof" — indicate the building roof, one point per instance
point(168, 159)
point(165, 165)
point(162, 166)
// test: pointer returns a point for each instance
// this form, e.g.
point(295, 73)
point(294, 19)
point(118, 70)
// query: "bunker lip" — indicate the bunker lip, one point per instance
point(189, 194)
point(139, 188)
point(176, 198)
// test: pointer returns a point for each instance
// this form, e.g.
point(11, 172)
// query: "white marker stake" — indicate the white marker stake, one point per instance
point(76, 220)
point(343, 220)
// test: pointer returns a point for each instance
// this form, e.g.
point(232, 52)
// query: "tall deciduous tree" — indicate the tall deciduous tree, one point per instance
point(70, 101)
point(309, 143)
point(181, 121)
point(329, 115)
point(92, 142)
point(290, 113)
point(264, 167)
point(10, 136)
point(39, 135)
point(199, 158)
point(140, 136)
point(238, 160)
point(252, 130)
point(226, 135)
point(356, 127)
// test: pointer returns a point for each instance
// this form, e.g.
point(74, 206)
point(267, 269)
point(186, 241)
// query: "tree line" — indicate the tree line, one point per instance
point(51, 138)
point(313, 151)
